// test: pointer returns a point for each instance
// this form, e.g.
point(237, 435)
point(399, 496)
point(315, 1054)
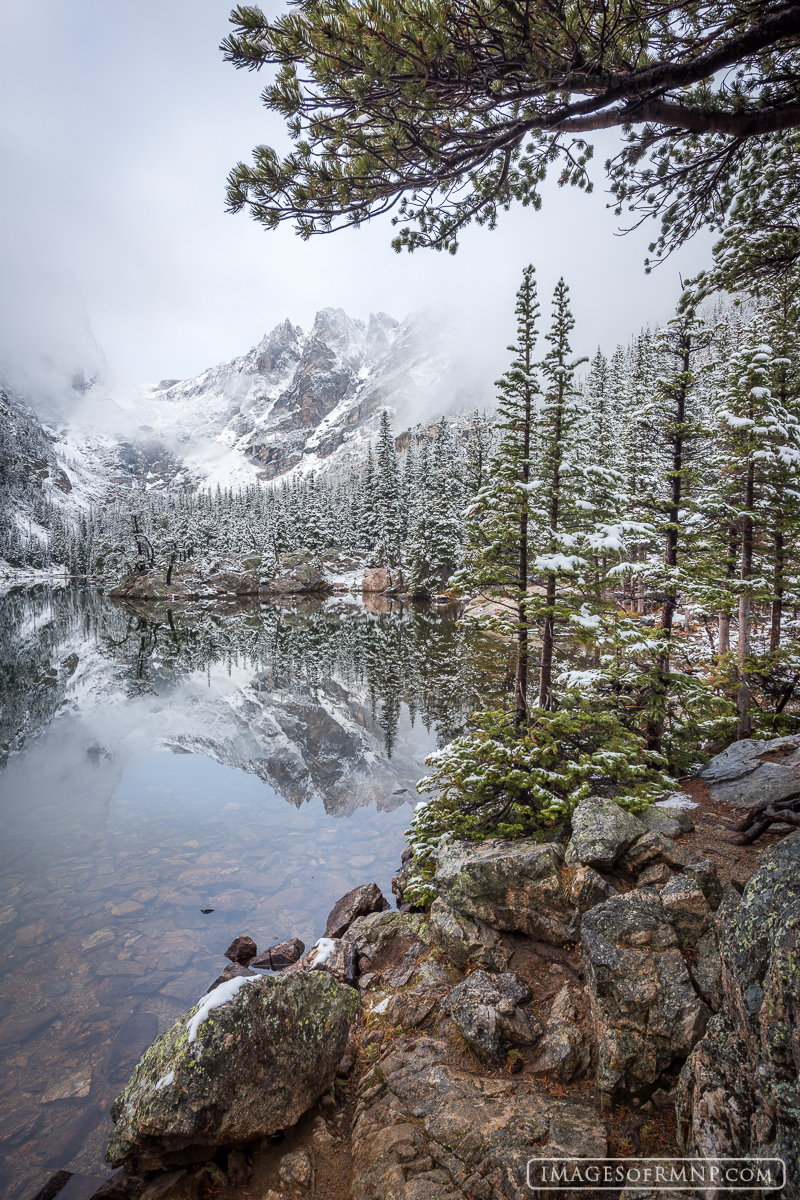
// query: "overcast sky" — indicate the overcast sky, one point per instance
point(119, 124)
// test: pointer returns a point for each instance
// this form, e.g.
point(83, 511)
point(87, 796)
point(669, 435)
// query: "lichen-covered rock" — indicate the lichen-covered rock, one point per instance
point(464, 942)
point(368, 898)
point(426, 1130)
point(716, 1097)
point(707, 879)
point(601, 833)
point(645, 1010)
point(562, 1053)
point(670, 821)
point(485, 1010)
point(508, 885)
point(372, 933)
point(411, 1008)
point(589, 888)
point(250, 1068)
point(707, 970)
point(187, 581)
point(655, 875)
point(686, 908)
point(297, 577)
point(740, 1090)
point(337, 957)
point(654, 847)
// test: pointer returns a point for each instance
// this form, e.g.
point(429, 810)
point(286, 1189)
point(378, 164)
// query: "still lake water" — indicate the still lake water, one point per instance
point(257, 760)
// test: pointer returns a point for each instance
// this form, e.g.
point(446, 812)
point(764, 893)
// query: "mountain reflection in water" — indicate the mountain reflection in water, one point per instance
point(259, 761)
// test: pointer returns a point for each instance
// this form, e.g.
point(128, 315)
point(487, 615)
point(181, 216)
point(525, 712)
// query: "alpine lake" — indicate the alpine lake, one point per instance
point(170, 778)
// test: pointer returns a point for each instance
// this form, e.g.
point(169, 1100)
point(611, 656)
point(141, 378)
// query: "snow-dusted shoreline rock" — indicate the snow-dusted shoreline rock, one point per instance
point(444, 1056)
point(241, 1066)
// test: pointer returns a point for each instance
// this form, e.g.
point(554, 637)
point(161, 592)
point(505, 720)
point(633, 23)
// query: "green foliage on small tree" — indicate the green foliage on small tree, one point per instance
point(498, 780)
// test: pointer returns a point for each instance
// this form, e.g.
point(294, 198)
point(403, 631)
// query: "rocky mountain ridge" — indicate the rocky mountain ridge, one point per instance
point(296, 401)
point(300, 401)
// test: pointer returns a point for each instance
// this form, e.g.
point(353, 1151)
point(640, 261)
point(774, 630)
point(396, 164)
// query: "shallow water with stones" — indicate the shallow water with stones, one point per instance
point(258, 761)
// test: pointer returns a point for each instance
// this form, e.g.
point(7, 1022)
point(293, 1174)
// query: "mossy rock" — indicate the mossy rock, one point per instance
point(256, 1065)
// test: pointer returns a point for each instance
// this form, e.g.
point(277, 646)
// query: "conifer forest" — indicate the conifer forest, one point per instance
point(422, 627)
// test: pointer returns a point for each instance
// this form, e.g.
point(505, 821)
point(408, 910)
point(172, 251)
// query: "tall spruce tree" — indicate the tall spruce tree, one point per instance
point(670, 492)
point(387, 512)
point(501, 515)
point(560, 486)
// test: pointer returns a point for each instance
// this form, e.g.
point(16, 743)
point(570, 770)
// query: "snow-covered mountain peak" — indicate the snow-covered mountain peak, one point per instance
point(300, 400)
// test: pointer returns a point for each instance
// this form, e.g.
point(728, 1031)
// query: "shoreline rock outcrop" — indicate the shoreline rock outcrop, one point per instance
point(508, 885)
point(229, 1073)
point(251, 576)
point(645, 1008)
point(473, 1035)
point(424, 1129)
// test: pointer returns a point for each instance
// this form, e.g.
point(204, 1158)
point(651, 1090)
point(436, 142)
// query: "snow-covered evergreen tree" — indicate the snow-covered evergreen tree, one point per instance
point(501, 516)
point(387, 511)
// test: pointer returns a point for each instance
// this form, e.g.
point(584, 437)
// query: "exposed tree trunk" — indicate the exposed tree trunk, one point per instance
point(725, 617)
point(523, 647)
point(548, 642)
point(743, 695)
point(548, 632)
point(777, 590)
point(655, 725)
point(724, 632)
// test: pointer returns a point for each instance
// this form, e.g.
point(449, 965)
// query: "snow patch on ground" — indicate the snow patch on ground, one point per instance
point(676, 800)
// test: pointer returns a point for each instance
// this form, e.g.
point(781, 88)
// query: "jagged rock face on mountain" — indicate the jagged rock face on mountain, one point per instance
point(28, 466)
point(300, 400)
point(298, 396)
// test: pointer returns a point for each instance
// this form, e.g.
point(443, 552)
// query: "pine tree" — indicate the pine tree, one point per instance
point(560, 485)
point(501, 514)
point(478, 451)
point(758, 452)
point(672, 488)
point(436, 527)
point(387, 497)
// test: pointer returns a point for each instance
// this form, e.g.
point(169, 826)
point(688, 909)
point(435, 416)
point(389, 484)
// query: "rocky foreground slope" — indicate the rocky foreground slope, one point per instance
point(554, 1002)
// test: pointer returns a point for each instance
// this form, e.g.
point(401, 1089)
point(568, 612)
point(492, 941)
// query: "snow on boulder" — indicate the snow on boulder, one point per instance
point(750, 771)
point(247, 1061)
point(300, 572)
point(337, 957)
